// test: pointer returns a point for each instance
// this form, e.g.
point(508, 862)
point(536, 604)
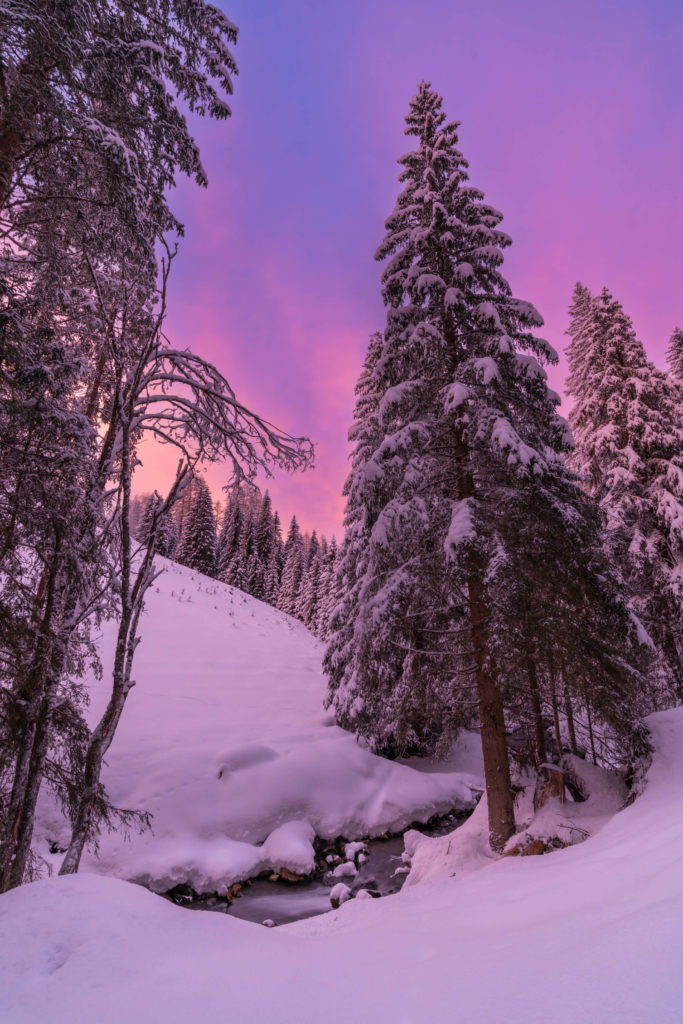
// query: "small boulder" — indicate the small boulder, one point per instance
point(291, 876)
point(536, 847)
point(352, 850)
point(345, 870)
point(339, 894)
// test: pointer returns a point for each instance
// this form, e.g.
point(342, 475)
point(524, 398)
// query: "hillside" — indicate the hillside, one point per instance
point(225, 741)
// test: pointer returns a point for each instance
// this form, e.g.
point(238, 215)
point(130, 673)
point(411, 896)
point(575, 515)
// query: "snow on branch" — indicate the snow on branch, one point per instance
point(187, 402)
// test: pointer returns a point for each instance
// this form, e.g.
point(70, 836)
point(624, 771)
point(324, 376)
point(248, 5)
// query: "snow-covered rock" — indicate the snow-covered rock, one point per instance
point(345, 870)
point(339, 894)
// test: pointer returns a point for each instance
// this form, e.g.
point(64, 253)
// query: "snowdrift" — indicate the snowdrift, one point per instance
point(225, 741)
point(592, 933)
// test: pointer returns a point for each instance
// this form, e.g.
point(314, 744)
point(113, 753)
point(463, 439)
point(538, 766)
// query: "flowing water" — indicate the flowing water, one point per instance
point(281, 902)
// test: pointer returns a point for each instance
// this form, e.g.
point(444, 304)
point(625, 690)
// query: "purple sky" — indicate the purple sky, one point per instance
point(571, 122)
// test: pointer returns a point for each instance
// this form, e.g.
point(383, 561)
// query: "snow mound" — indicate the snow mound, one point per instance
point(225, 741)
point(592, 933)
point(563, 822)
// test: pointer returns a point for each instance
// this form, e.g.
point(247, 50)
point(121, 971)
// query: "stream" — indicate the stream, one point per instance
point(277, 901)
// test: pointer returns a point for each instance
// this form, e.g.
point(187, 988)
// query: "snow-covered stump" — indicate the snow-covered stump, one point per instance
point(549, 784)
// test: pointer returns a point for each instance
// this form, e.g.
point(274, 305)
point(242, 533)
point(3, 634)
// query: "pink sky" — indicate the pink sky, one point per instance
point(571, 122)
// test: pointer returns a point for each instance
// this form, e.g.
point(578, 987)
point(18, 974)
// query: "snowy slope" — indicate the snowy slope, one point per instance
point(592, 933)
point(225, 740)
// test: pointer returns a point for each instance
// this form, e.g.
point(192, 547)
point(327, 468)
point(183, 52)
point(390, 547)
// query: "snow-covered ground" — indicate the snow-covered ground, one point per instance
point(225, 741)
point(590, 934)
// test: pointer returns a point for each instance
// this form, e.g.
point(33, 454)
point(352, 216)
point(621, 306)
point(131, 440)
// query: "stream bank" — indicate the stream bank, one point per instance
point(344, 868)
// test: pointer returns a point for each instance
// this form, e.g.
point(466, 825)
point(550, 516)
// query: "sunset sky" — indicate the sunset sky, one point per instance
point(571, 123)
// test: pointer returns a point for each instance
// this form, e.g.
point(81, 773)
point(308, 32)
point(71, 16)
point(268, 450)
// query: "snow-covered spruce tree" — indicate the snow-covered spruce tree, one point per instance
point(255, 577)
point(138, 505)
point(162, 526)
point(46, 538)
point(198, 550)
point(264, 529)
point(181, 510)
point(249, 547)
point(330, 591)
point(470, 439)
point(148, 517)
point(562, 634)
point(307, 604)
point(292, 570)
point(628, 424)
point(272, 580)
point(238, 569)
point(229, 534)
point(674, 355)
point(94, 76)
point(364, 500)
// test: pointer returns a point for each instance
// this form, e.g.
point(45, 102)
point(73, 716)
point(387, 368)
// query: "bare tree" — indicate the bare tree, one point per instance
point(180, 399)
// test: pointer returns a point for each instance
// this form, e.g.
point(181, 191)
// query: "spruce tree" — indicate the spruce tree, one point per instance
point(198, 550)
point(628, 424)
point(674, 354)
point(292, 570)
point(311, 582)
point(470, 442)
point(229, 535)
point(364, 500)
point(264, 529)
point(272, 580)
point(148, 517)
point(329, 591)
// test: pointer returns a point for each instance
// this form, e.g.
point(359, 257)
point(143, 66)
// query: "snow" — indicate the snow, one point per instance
point(396, 396)
point(488, 311)
point(506, 437)
point(462, 528)
point(339, 893)
point(351, 850)
point(488, 368)
point(644, 637)
point(225, 740)
point(590, 933)
point(345, 870)
point(455, 395)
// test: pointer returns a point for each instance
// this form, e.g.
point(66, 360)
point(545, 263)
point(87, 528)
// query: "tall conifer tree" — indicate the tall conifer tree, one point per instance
point(470, 441)
point(628, 423)
point(674, 354)
point(198, 549)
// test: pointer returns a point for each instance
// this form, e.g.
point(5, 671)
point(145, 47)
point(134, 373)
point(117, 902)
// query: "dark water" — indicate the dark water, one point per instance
point(283, 902)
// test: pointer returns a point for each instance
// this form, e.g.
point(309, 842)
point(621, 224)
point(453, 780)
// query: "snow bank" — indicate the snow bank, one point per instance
point(592, 933)
point(224, 739)
point(467, 848)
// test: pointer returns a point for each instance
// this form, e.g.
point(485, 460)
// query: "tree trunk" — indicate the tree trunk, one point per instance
point(590, 725)
point(492, 718)
point(501, 806)
point(556, 710)
point(26, 819)
point(569, 711)
point(537, 711)
point(12, 863)
point(132, 598)
point(670, 651)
